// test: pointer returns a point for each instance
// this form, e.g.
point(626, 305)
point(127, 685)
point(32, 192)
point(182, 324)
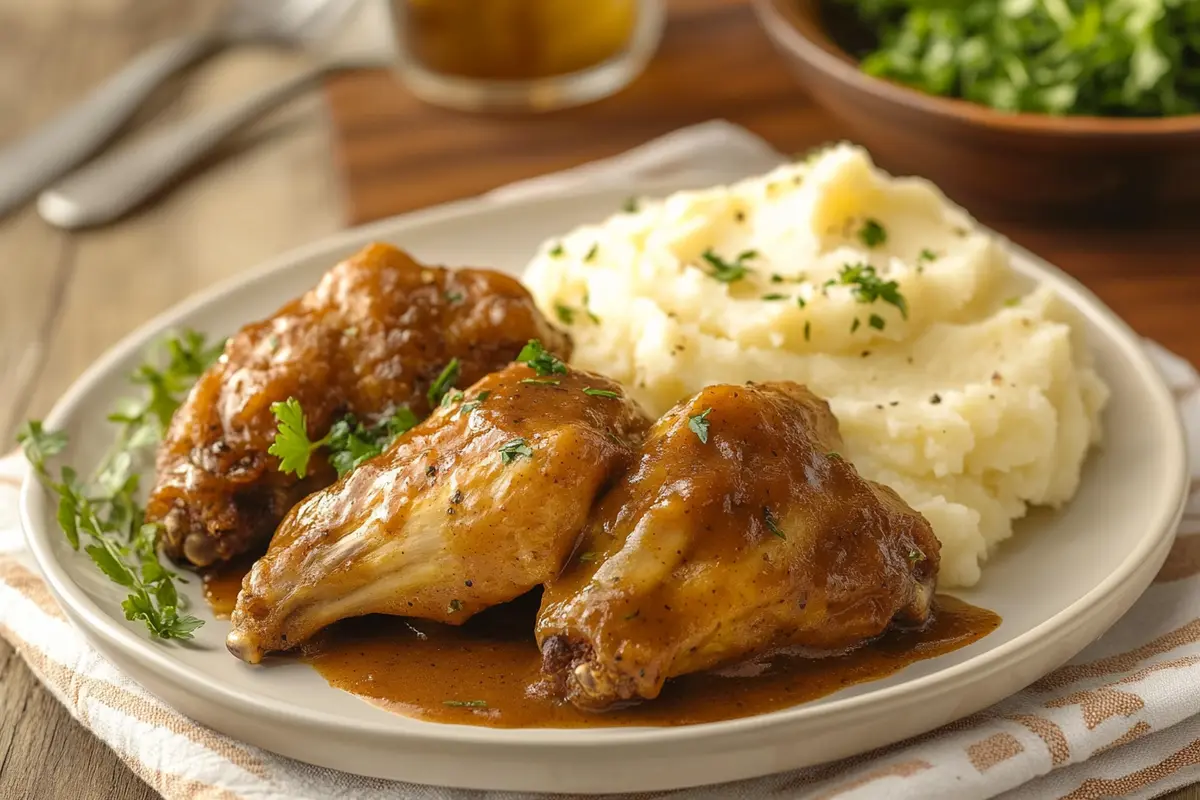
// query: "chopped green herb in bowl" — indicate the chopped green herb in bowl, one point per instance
point(1105, 58)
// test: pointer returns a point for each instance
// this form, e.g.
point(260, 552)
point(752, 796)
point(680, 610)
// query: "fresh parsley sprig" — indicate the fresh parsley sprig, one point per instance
point(349, 443)
point(102, 514)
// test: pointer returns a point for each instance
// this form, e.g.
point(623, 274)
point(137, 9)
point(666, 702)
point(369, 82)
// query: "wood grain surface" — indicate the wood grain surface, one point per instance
point(67, 297)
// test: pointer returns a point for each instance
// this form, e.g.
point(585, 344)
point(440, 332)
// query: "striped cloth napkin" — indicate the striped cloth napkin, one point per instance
point(1122, 719)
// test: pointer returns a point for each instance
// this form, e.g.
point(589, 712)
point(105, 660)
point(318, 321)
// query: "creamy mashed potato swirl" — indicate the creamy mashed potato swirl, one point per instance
point(969, 398)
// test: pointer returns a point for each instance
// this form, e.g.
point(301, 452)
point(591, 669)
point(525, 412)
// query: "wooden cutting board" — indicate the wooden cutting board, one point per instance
point(397, 154)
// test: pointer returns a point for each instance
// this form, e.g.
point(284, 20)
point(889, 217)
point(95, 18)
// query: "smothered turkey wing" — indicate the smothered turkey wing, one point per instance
point(373, 335)
point(475, 506)
point(739, 531)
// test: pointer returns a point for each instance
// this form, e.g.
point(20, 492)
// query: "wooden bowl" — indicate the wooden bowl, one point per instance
point(998, 164)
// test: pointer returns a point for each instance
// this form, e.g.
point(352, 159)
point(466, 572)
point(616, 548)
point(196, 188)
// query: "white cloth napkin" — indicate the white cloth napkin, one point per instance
point(1123, 719)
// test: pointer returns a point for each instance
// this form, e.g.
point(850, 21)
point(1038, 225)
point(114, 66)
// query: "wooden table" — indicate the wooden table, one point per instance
point(67, 297)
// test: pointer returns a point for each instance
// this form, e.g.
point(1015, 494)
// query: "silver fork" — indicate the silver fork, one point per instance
point(68, 139)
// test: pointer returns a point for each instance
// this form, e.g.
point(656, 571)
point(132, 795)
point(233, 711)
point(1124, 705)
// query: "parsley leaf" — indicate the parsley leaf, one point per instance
point(698, 424)
point(600, 392)
point(517, 448)
point(39, 444)
point(444, 382)
point(869, 287)
point(872, 233)
point(541, 381)
point(565, 314)
point(772, 524)
point(465, 703)
point(292, 446)
point(729, 271)
point(630, 206)
point(540, 360)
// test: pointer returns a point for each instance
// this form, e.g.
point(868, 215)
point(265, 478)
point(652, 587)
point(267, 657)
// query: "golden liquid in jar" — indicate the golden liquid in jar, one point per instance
point(514, 40)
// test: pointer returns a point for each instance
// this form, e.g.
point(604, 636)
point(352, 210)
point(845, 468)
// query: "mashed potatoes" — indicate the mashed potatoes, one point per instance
point(969, 400)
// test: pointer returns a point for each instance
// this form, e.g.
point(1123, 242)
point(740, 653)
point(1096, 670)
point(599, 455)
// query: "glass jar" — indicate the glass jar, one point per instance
point(524, 55)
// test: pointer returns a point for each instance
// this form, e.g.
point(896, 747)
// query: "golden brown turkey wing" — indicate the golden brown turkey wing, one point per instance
point(371, 336)
point(710, 552)
point(475, 506)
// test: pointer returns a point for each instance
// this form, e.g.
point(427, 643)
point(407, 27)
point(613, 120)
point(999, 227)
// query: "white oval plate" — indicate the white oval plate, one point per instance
point(1059, 584)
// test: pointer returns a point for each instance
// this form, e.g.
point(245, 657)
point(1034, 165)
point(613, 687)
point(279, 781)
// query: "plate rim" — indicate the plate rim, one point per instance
point(94, 621)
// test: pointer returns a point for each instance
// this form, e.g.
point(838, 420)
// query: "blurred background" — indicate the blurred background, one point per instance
point(239, 129)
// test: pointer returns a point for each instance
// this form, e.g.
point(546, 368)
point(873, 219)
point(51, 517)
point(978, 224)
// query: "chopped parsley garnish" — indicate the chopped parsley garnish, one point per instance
point(557, 250)
point(855, 325)
point(729, 271)
point(872, 234)
point(600, 392)
point(869, 287)
point(1012, 301)
point(454, 298)
point(591, 253)
point(540, 360)
point(927, 255)
point(772, 525)
point(465, 703)
point(877, 322)
point(541, 381)
point(630, 206)
point(776, 278)
point(774, 296)
point(517, 448)
point(698, 424)
point(444, 382)
point(800, 301)
point(102, 513)
point(566, 314)
point(1118, 58)
point(470, 405)
point(454, 607)
point(588, 556)
point(451, 397)
point(351, 443)
point(915, 555)
point(807, 330)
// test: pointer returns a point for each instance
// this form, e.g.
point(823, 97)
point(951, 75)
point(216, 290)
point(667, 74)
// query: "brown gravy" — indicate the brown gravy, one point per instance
point(222, 584)
point(488, 672)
